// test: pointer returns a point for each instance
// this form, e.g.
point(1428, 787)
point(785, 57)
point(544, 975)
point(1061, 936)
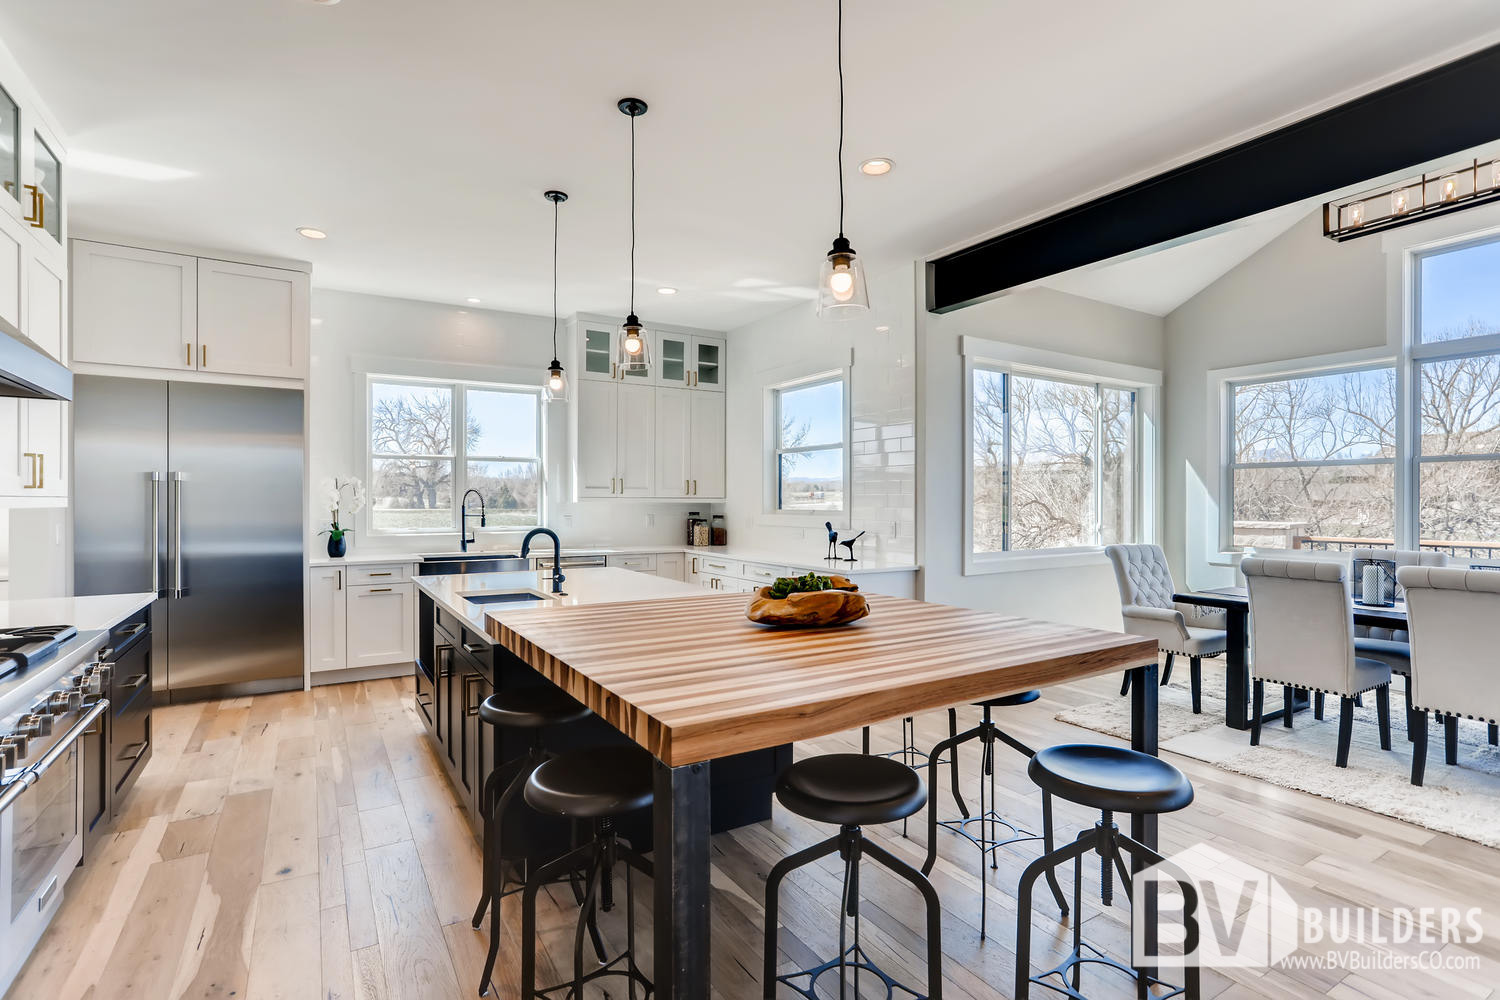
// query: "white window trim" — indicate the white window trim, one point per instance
point(1032, 361)
point(471, 377)
point(771, 512)
point(1221, 447)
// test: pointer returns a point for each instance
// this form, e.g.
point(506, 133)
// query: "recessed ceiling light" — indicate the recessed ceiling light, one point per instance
point(877, 165)
point(666, 290)
point(317, 321)
point(311, 233)
point(471, 300)
point(882, 329)
point(325, 3)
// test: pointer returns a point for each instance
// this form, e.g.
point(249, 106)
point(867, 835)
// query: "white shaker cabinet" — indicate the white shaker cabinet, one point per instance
point(673, 434)
point(326, 631)
point(380, 622)
point(13, 252)
point(252, 320)
point(706, 445)
point(134, 307)
point(616, 439)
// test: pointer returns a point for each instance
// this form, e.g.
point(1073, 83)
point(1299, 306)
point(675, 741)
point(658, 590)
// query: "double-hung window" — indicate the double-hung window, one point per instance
point(420, 468)
point(1055, 462)
point(1456, 388)
point(811, 433)
point(1313, 457)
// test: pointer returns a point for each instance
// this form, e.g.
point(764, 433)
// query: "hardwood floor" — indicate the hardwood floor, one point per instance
point(307, 845)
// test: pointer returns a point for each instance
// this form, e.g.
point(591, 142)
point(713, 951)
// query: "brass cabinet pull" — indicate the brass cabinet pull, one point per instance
point(202, 355)
point(684, 486)
point(379, 590)
point(33, 484)
point(38, 216)
point(41, 470)
point(341, 579)
point(380, 574)
point(612, 367)
point(189, 360)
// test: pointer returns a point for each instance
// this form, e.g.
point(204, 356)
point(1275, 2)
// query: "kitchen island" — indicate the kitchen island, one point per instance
point(458, 666)
point(689, 678)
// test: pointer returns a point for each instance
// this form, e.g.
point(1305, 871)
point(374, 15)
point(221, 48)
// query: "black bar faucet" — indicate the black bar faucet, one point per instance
point(463, 520)
point(557, 573)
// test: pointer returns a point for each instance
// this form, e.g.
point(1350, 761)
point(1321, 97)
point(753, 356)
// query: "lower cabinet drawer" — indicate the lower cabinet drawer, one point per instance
point(641, 563)
point(381, 625)
point(762, 573)
point(129, 743)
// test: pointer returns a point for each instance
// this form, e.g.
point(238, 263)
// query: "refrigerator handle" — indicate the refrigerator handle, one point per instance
point(177, 588)
point(155, 486)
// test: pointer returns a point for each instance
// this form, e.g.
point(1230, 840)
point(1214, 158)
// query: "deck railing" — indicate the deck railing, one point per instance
point(1457, 549)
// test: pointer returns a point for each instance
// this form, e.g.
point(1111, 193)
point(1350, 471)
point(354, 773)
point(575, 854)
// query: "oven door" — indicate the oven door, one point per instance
point(41, 842)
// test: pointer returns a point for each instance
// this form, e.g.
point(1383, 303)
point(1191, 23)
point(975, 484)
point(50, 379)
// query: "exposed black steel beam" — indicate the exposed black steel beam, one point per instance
point(1434, 114)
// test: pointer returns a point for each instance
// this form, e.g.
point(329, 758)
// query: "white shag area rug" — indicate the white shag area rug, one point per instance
point(1463, 800)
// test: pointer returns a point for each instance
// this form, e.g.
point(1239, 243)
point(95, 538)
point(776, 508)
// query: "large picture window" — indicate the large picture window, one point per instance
point(1054, 463)
point(1314, 457)
point(420, 468)
point(811, 431)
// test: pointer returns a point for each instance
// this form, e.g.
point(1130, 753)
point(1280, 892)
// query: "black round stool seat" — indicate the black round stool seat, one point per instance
point(594, 783)
point(851, 789)
point(1007, 700)
point(1109, 777)
point(531, 707)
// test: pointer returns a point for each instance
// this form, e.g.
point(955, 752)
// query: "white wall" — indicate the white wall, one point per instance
point(1038, 318)
point(795, 343)
point(1300, 296)
point(401, 336)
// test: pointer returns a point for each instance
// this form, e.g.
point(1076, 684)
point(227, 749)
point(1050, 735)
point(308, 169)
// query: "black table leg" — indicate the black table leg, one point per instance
point(680, 918)
point(1144, 738)
point(1236, 670)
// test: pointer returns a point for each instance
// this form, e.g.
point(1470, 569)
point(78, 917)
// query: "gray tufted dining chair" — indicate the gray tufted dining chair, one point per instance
point(1302, 637)
point(1146, 604)
point(1393, 646)
point(1454, 619)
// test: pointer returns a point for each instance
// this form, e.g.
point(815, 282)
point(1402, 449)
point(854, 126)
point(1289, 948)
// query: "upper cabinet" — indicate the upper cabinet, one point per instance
point(173, 312)
point(45, 189)
point(651, 436)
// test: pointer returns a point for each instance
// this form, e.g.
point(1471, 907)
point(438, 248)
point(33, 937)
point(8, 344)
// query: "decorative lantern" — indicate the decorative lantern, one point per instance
point(1375, 582)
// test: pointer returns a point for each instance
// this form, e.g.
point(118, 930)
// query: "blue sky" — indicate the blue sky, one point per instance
point(1460, 285)
point(821, 408)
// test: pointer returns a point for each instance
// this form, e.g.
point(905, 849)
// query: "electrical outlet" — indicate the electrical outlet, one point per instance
point(650, 520)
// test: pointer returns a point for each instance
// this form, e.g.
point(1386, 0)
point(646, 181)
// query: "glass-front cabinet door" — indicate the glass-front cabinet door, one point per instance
point(46, 190)
point(672, 359)
point(708, 363)
point(597, 355)
point(10, 145)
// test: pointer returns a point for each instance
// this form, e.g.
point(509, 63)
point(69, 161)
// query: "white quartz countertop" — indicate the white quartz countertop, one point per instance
point(583, 586)
point(800, 561)
point(86, 613)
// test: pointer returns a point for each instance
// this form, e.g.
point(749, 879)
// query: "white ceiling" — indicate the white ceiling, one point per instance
point(421, 135)
point(1159, 280)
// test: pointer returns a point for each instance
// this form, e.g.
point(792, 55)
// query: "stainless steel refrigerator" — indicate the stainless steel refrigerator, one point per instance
point(194, 491)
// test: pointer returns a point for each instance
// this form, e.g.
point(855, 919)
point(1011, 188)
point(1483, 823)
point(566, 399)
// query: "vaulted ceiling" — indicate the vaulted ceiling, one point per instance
point(421, 135)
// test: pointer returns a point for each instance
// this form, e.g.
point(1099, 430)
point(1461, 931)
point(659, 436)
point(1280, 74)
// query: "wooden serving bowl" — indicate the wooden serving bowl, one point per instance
point(810, 609)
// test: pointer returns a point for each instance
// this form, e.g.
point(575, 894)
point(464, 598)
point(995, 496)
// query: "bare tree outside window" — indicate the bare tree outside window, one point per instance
point(1053, 463)
point(810, 446)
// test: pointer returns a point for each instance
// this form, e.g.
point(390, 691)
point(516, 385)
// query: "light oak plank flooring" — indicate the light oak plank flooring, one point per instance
point(308, 845)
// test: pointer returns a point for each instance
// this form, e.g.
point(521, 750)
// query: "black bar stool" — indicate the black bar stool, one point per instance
point(596, 785)
point(993, 830)
point(852, 790)
point(535, 709)
point(1110, 779)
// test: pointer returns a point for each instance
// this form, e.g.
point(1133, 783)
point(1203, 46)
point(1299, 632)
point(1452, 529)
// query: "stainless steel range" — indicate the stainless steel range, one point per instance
point(53, 694)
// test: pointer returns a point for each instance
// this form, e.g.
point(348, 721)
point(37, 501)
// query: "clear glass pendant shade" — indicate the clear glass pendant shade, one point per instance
point(634, 355)
point(555, 390)
point(842, 293)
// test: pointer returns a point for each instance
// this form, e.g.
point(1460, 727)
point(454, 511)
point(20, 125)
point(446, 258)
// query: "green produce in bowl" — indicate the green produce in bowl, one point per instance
point(807, 583)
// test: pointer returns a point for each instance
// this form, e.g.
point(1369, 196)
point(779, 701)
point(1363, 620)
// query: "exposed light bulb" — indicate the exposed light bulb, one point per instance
point(632, 343)
point(1450, 187)
point(555, 380)
point(1357, 214)
point(1399, 203)
point(841, 283)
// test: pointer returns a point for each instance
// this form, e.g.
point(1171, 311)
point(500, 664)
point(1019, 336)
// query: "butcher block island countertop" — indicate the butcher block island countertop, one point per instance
point(690, 678)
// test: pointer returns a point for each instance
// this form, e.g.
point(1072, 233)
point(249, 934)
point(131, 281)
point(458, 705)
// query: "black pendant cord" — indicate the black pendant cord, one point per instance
point(841, 115)
point(554, 282)
point(632, 214)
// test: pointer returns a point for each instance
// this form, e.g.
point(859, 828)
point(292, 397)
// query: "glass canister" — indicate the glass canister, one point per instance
point(720, 530)
point(701, 533)
point(694, 519)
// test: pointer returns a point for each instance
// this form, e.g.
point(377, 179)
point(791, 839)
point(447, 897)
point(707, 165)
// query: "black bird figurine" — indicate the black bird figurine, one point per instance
point(833, 537)
point(848, 543)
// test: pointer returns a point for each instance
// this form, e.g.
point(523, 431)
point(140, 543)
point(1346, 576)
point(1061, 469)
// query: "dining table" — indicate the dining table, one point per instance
point(1235, 603)
point(692, 680)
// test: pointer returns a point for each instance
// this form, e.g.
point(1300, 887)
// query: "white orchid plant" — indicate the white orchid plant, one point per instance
point(343, 496)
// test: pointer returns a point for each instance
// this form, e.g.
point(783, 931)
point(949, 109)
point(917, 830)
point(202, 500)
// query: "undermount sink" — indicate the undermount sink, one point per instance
point(505, 597)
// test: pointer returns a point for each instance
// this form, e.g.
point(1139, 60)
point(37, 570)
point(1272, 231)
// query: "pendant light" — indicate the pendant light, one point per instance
point(634, 356)
point(556, 390)
point(841, 287)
